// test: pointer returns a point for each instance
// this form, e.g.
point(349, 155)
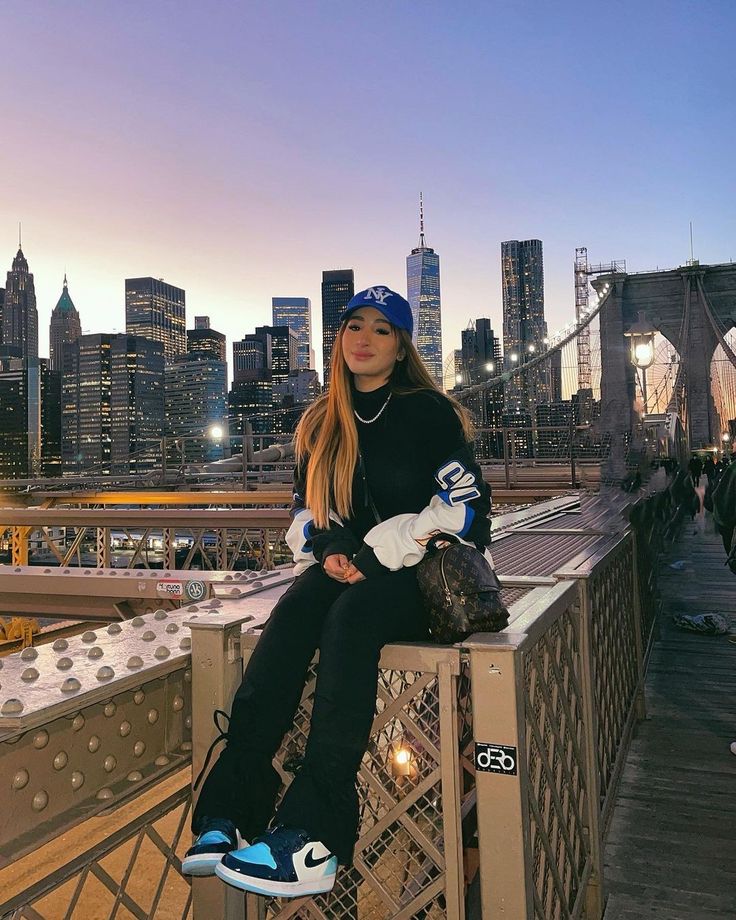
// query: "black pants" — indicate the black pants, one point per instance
point(349, 624)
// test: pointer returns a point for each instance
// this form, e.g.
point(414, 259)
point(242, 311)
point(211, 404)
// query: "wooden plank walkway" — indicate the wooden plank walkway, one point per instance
point(671, 848)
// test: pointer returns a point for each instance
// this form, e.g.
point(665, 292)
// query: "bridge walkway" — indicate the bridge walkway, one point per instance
point(671, 849)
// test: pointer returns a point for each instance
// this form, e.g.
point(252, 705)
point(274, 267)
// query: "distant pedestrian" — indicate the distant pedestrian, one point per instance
point(709, 467)
point(696, 468)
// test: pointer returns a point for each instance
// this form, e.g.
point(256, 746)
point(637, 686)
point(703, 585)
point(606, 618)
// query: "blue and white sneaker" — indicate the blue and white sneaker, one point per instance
point(284, 863)
point(217, 837)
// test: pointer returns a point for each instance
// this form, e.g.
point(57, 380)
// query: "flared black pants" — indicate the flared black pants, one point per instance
point(349, 624)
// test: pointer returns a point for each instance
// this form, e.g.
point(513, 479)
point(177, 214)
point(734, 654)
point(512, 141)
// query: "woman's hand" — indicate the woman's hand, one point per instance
point(353, 575)
point(337, 566)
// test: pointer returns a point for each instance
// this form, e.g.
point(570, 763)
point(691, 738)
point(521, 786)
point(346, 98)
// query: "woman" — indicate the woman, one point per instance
point(382, 464)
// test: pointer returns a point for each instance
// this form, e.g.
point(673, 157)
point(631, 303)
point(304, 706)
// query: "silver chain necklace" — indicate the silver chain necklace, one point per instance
point(370, 421)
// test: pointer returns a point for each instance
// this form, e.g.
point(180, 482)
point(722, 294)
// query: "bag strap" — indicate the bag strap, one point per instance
point(366, 491)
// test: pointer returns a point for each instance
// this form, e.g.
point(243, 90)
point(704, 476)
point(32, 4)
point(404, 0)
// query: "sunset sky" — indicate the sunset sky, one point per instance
point(238, 149)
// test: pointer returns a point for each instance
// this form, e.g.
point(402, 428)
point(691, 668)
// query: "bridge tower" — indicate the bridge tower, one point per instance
point(693, 306)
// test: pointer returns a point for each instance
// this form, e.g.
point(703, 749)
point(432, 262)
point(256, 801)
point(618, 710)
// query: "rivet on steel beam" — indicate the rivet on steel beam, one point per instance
point(41, 739)
point(138, 697)
point(188, 676)
point(141, 574)
point(185, 643)
point(134, 776)
point(29, 654)
point(188, 722)
point(77, 779)
point(95, 652)
point(153, 716)
point(114, 628)
point(20, 780)
point(89, 636)
point(105, 673)
point(93, 745)
point(63, 664)
point(160, 615)
point(215, 602)
point(61, 760)
point(60, 645)
point(110, 709)
point(191, 609)
point(178, 703)
point(78, 722)
point(11, 707)
point(109, 764)
point(135, 661)
point(29, 674)
point(161, 652)
point(137, 621)
point(139, 748)
point(40, 800)
point(104, 794)
point(172, 628)
point(124, 729)
point(148, 636)
point(70, 685)
point(162, 760)
point(186, 746)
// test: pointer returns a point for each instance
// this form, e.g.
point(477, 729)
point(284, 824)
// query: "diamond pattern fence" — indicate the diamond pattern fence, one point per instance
point(133, 872)
point(406, 863)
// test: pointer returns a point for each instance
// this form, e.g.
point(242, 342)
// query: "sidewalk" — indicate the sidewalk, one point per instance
point(671, 849)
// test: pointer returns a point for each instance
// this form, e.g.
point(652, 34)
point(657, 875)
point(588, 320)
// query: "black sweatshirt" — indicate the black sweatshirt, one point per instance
point(421, 479)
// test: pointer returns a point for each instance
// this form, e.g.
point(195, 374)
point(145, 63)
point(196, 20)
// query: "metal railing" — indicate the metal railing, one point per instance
point(516, 743)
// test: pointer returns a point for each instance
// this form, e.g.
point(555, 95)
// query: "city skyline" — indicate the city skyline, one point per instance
point(255, 181)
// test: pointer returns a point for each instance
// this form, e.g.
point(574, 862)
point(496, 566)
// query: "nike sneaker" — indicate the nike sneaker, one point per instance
point(217, 837)
point(284, 863)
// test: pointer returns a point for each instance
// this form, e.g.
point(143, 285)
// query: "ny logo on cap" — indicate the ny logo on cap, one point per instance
point(378, 294)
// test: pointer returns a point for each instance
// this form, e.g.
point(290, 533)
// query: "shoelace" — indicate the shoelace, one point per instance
point(223, 736)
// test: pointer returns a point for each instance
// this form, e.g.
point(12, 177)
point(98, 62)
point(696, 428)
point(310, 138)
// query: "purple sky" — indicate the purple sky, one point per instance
point(238, 149)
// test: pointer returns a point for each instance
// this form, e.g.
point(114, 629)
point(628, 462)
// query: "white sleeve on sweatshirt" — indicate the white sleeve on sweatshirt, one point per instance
point(402, 540)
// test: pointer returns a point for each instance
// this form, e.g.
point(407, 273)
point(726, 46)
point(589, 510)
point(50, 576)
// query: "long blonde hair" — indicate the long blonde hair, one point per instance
point(327, 437)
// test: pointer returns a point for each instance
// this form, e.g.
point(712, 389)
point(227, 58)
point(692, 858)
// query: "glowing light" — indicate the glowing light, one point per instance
point(514, 358)
point(725, 437)
point(458, 378)
point(490, 366)
point(532, 348)
point(216, 432)
point(643, 354)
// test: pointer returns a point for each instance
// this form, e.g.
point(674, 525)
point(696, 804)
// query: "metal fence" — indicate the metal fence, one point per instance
point(514, 746)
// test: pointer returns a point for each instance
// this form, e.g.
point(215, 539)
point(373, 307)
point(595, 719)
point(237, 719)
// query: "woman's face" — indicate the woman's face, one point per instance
point(370, 347)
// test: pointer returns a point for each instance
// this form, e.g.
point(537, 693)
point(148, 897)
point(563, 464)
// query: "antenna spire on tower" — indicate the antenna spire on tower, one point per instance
point(19, 238)
point(421, 222)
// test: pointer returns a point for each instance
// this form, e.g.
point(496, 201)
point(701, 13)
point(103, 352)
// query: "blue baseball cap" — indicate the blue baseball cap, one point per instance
point(393, 306)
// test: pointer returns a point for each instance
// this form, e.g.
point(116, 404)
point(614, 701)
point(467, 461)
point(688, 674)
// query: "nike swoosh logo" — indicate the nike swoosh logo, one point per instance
point(310, 863)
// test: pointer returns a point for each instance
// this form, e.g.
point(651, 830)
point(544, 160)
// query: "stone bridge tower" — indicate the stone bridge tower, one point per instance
point(693, 307)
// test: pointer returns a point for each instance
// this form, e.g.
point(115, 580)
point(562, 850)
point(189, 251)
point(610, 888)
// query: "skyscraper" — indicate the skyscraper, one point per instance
point(423, 294)
point(296, 313)
point(524, 328)
point(50, 419)
point(204, 340)
point(112, 404)
point(196, 400)
point(19, 314)
point(64, 329)
point(20, 397)
point(338, 287)
point(156, 311)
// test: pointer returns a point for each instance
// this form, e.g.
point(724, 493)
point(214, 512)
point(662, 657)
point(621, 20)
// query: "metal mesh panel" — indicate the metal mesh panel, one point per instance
point(399, 861)
point(135, 872)
point(614, 656)
point(537, 554)
point(556, 791)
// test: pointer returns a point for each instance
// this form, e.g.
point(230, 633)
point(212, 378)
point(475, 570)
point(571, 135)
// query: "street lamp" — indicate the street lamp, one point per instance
point(641, 334)
point(490, 367)
point(726, 438)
